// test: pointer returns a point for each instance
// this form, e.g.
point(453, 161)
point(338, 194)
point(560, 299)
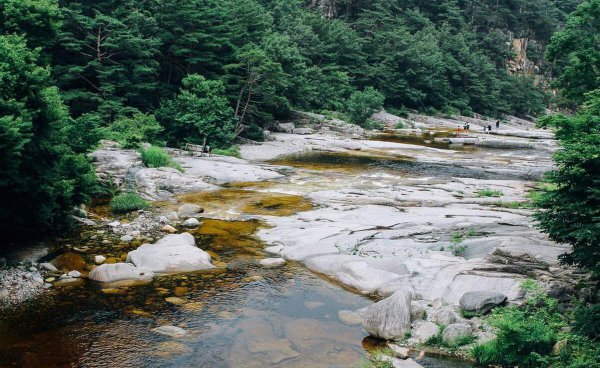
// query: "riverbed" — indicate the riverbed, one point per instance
point(241, 314)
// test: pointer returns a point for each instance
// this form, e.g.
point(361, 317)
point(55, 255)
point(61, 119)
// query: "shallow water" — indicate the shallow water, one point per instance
point(358, 163)
point(425, 140)
point(239, 315)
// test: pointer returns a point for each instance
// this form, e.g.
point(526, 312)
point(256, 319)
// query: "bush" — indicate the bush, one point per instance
point(233, 151)
point(361, 105)
point(130, 132)
point(525, 335)
point(254, 132)
point(158, 157)
point(127, 202)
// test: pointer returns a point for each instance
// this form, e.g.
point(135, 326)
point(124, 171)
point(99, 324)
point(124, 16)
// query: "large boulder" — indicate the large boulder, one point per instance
point(481, 301)
point(173, 253)
point(425, 331)
point(390, 318)
point(285, 127)
point(455, 332)
point(445, 315)
point(118, 272)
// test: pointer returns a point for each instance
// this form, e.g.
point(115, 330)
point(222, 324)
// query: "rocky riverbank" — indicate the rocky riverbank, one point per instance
point(416, 219)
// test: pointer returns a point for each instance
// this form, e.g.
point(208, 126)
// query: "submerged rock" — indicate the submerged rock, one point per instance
point(350, 318)
point(118, 272)
point(481, 301)
point(171, 331)
point(173, 253)
point(187, 210)
point(390, 318)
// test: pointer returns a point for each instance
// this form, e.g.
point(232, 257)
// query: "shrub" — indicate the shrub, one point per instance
point(361, 105)
point(130, 132)
point(233, 151)
point(127, 202)
point(254, 132)
point(525, 335)
point(489, 193)
point(158, 157)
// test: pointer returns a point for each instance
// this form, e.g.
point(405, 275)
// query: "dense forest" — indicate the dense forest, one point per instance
point(179, 71)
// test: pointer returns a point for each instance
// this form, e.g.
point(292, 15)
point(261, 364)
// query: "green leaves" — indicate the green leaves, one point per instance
point(199, 112)
point(362, 105)
point(576, 51)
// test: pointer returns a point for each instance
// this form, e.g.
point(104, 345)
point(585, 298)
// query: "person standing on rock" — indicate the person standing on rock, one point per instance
point(497, 124)
point(489, 128)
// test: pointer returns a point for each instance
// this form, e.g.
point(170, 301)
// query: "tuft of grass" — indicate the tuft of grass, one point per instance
point(400, 125)
point(512, 204)
point(127, 202)
point(157, 157)
point(233, 151)
point(489, 193)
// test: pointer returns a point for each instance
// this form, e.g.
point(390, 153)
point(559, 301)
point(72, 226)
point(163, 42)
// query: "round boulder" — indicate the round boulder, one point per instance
point(481, 301)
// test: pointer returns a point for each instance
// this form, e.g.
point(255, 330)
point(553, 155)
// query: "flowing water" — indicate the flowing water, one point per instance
point(238, 315)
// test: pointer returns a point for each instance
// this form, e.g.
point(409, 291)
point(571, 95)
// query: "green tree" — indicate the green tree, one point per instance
point(199, 113)
point(576, 51)
point(41, 178)
point(571, 209)
point(362, 104)
point(106, 61)
point(38, 20)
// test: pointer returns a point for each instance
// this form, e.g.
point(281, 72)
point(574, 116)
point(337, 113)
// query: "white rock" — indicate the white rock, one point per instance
point(99, 259)
point(49, 267)
point(118, 272)
point(172, 216)
point(365, 278)
point(456, 331)
point(114, 224)
point(389, 318)
point(74, 274)
point(445, 315)
point(126, 238)
point(191, 222)
point(417, 309)
point(173, 253)
point(171, 331)
point(425, 331)
point(272, 262)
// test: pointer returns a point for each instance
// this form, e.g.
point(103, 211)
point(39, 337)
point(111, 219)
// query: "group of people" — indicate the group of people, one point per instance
point(486, 129)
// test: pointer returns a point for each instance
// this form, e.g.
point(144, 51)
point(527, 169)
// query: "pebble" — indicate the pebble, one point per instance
point(32, 269)
point(191, 222)
point(74, 274)
point(48, 266)
point(169, 229)
point(126, 238)
point(99, 259)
